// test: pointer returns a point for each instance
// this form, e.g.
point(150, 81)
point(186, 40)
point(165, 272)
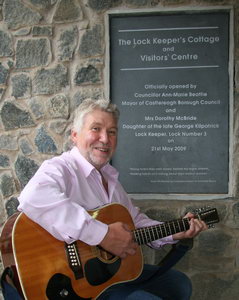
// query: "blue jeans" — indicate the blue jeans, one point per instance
point(9, 292)
point(151, 285)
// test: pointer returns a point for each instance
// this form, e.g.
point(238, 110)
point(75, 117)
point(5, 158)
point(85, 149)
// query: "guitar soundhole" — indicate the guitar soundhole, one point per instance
point(98, 272)
point(59, 287)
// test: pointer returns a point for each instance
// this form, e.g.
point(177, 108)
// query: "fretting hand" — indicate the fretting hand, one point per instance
point(196, 226)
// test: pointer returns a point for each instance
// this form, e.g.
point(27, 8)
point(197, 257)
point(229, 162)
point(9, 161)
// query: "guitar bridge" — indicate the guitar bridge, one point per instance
point(74, 259)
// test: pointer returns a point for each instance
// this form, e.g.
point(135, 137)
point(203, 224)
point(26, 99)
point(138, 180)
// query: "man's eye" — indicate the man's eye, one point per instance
point(112, 132)
point(95, 128)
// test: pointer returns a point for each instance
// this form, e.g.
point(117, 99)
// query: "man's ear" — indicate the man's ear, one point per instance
point(74, 136)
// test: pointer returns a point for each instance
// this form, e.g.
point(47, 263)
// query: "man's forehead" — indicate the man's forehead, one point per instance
point(100, 117)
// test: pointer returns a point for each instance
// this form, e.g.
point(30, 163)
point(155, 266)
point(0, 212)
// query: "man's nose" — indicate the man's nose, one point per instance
point(104, 137)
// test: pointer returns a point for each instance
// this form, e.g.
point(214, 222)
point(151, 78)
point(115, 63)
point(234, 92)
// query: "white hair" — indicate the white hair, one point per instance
point(88, 105)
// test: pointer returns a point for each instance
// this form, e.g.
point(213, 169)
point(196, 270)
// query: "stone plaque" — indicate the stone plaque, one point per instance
point(169, 76)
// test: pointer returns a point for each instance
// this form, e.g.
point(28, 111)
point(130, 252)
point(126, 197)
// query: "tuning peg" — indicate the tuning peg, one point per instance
point(201, 209)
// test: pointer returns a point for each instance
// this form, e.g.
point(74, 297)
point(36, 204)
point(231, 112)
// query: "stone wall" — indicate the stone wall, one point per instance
point(52, 56)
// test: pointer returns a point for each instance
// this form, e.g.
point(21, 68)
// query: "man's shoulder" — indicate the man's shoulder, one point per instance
point(63, 161)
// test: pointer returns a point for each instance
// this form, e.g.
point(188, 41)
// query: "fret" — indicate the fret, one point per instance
point(174, 227)
point(169, 232)
point(151, 231)
point(137, 236)
point(164, 231)
point(152, 234)
point(147, 231)
point(144, 233)
point(177, 224)
point(150, 237)
point(141, 241)
point(156, 232)
point(161, 232)
point(142, 236)
point(185, 223)
point(182, 224)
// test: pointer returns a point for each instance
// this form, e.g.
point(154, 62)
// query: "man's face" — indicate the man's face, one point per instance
point(97, 138)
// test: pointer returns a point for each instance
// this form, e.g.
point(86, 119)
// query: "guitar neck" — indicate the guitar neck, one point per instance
point(149, 234)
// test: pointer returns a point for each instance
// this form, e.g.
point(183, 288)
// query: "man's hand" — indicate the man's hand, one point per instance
point(196, 226)
point(119, 240)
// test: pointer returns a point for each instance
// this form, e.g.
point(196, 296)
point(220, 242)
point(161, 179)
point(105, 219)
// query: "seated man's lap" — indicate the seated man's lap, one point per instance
point(150, 285)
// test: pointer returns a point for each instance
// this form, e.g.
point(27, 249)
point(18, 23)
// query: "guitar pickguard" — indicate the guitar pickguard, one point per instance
point(98, 272)
point(59, 287)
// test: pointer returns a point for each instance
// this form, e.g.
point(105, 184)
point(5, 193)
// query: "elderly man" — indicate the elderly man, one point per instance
point(66, 187)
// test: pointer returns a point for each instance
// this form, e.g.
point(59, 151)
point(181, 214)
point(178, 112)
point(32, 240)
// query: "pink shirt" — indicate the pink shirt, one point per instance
point(64, 188)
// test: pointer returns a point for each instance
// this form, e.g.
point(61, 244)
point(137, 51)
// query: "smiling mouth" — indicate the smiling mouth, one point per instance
point(105, 150)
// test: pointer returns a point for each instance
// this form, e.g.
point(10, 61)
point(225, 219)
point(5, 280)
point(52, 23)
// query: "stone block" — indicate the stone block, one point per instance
point(25, 146)
point(58, 106)
point(6, 45)
point(91, 42)
point(44, 142)
point(25, 168)
point(50, 81)
point(17, 15)
point(14, 117)
point(8, 142)
point(4, 161)
point(11, 206)
point(68, 11)
point(21, 86)
point(67, 43)
point(87, 75)
point(7, 184)
point(33, 53)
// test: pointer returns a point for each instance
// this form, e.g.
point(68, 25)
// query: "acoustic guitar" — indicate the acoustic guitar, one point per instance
point(51, 269)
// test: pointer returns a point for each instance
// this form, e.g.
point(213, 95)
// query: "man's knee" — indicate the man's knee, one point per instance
point(184, 286)
point(142, 295)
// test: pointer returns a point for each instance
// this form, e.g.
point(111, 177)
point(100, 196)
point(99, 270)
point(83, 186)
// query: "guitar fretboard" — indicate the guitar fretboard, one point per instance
point(148, 234)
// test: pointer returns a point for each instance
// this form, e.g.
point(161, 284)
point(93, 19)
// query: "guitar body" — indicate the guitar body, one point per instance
point(42, 262)
point(46, 268)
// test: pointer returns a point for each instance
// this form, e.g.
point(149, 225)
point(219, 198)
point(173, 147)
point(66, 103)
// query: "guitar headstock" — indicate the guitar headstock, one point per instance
point(208, 215)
